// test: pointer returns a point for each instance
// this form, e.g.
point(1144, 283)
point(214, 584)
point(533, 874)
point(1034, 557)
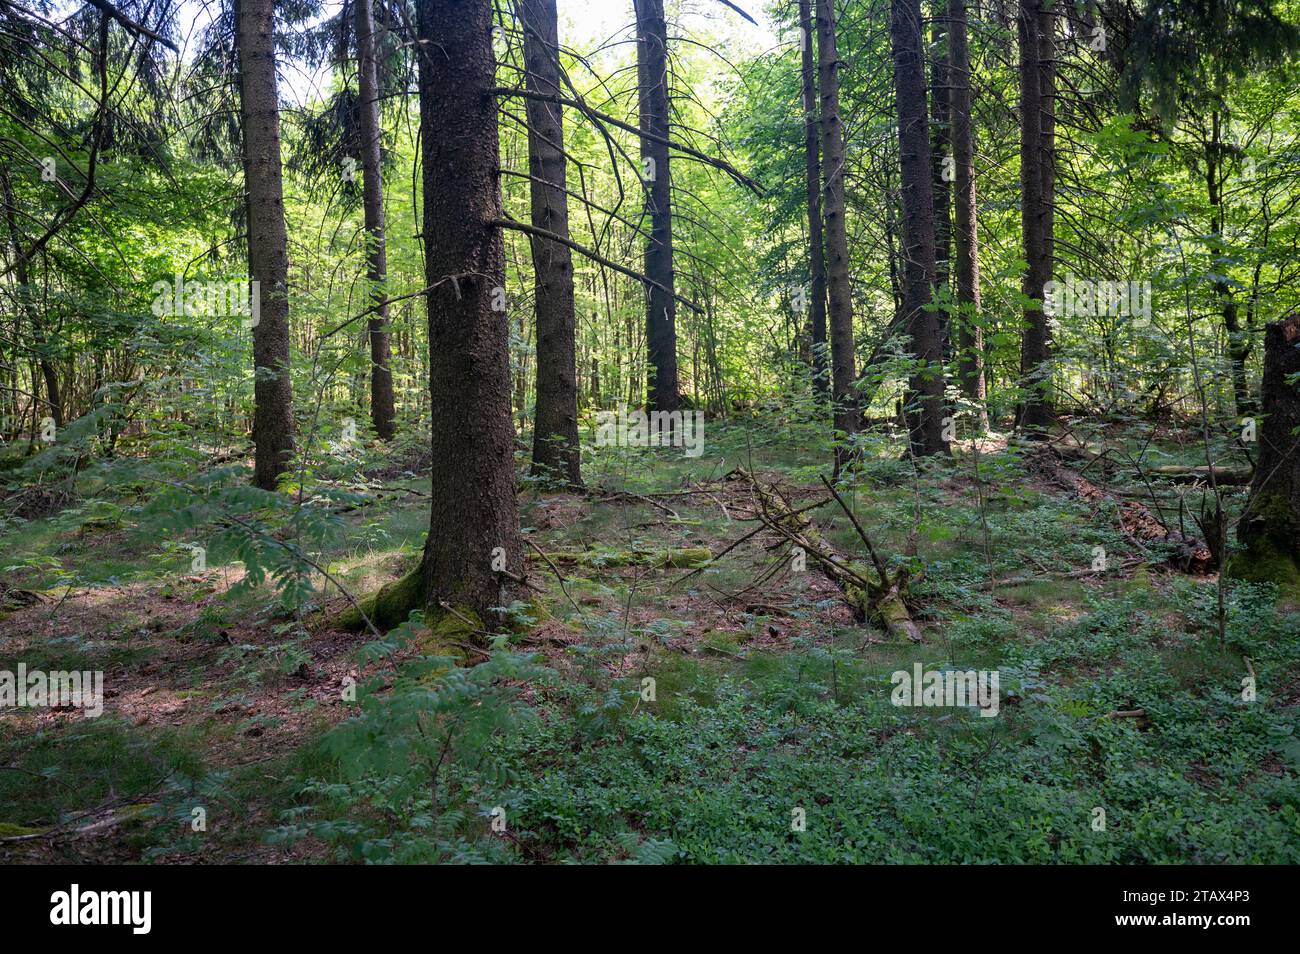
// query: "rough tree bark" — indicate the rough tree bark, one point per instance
point(661, 306)
point(1269, 529)
point(474, 549)
point(970, 336)
point(837, 242)
point(916, 168)
point(382, 412)
point(268, 253)
point(941, 145)
point(556, 451)
point(816, 238)
point(1035, 26)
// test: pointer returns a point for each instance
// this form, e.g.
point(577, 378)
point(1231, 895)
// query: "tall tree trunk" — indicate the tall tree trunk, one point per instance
point(837, 241)
point(382, 413)
point(556, 451)
point(661, 306)
point(816, 239)
point(1270, 527)
point(268, 253)
point(1035, 27)
point(970, 336)
point(473, 519)
point(916, 171)
point(941, 145)
point(1238, 338)
point(40, 344)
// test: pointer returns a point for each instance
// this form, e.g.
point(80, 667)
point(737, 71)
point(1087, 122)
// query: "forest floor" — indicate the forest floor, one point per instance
point(770, 735)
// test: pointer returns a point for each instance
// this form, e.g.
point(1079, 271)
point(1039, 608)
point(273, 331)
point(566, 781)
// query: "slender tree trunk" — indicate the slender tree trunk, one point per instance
point(1037, 184)
point(1238, 338)
point(838, 288)
point(556, 451)
point(661, 306)
point(816, 239)
point(916, 171)
point(941, 146)
point(268, 253)
point(1270, 527)
point(521, 370)
point(473, 520)
point(382, 413)
point(970, 336)
point(22, 279)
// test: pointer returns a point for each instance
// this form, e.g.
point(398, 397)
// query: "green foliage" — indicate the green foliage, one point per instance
point(416, 774)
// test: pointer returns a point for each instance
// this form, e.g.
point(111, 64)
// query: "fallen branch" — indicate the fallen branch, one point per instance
point(1139, 524)
point(1226, 476)
point(644, 498)
point(1071, 575)
point(878, 596)
point(672, 558)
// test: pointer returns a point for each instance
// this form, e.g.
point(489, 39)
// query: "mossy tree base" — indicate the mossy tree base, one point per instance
point(1266, 563)
point(388, 607)
point(453, 631)
point(1269, 529)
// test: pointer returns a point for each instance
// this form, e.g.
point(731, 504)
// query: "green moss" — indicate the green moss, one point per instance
point(687, 558)
point(447, 632)
point(10, 830)
point(1140, 584)
point(452, 633)
point(720, 642)
point(1272, 509)
point(1266, 563)
point(131, 813)
point(390, 606)
point(1274, 555)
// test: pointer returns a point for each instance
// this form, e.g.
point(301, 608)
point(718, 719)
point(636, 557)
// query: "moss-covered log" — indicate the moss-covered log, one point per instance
point(1188, 553)
point(886, 607)
point(873, 592)
point(686, 558)
point(1224, 476)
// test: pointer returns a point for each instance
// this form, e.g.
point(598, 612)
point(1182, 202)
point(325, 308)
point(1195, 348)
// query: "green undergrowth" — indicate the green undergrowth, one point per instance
point(651, 714)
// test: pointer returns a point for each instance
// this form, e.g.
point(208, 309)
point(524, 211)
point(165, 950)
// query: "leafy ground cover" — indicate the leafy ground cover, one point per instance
point(730, 711)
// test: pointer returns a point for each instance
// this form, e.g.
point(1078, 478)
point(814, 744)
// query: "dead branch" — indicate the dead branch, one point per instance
point(879, 596)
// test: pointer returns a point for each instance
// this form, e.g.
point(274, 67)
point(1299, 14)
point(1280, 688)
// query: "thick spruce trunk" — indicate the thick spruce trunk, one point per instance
point(926, 423)
point(1269, 529)
point(970, 336)
point(473, 520)
point(1035, 27)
